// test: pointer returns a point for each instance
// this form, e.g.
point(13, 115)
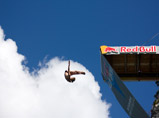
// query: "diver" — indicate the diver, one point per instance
point(69, 73)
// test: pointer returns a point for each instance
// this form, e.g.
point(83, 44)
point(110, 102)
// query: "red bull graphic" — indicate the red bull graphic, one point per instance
point(138, 49)
point(110, 49)
point(129, 49)
point(106, 49)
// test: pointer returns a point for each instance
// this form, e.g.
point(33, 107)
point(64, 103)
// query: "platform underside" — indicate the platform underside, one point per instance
point(135, 67)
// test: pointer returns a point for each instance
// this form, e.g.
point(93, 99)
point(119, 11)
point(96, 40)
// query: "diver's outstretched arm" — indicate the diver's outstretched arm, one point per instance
point(68, 66)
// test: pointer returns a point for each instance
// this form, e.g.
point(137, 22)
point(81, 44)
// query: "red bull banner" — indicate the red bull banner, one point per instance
point(129, 49)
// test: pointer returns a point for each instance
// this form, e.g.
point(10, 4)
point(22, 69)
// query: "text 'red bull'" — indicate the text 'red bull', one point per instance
point(138, 49)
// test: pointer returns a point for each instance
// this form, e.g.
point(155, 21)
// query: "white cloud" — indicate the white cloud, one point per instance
point(46, 94)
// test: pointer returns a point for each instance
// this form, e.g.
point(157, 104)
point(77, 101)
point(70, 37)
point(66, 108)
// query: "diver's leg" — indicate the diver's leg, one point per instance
point(76, 72)
point(82, 73)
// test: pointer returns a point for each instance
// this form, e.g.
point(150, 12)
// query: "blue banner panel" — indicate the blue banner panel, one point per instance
point(121, 92)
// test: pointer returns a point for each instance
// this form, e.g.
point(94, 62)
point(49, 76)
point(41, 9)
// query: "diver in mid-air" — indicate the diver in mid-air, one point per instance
point(69, 73)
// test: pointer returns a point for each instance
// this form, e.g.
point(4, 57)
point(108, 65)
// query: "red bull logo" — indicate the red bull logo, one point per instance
point(106, 49)
point(138, 49)
point(110, 49)
point(128, 49)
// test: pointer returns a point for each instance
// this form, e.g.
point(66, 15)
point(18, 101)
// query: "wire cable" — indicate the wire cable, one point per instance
point(151, 38)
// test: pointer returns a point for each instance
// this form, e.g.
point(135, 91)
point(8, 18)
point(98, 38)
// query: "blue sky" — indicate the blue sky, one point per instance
point(75, 29)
